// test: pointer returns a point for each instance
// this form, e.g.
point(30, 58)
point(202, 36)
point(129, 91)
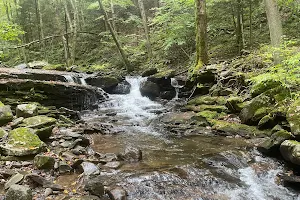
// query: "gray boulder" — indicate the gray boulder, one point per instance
point(149, 89)
point(26, 110)
point(19, 192)
point(5, 114)
point(290, 150)
point(95, 186)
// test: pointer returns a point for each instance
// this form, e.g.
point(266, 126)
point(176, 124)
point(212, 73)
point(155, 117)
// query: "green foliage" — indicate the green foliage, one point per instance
point(10, 32)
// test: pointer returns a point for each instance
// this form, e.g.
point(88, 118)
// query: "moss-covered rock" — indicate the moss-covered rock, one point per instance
point(22, 142)
point(263, 86)
point(207, 100)
point(149, 72)
point(267, 122)
point(260, 113)
point(232, 129)
point(290, 150)
point(26, 110)
point(209, 115)
point(107, 83)
point(293, 117)
point(234, 104)
point(200, 108)
point(5, 114)
point(2, 133)
point(41, 124)
point(164, 74)
point(43, 162)
point(250, 110)
point(272, 144)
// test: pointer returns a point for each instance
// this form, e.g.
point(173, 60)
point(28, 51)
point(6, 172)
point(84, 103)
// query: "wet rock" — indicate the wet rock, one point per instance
point(66, 119)
point(22, 142)
point(117, 193)
point(49, 93)
point(39, 180)
point(78, 150)
point(132, 154)
point(5, 114)
point(290, 150)
point(19, 192)
point(263, 86)
point(43, 162)
point(249, 111)
point(88, 169)
point(14, 180)
point(121, 88)
point(64, 168)
point(107, 83)
point(149, 89)
point(272, 144)
point(113, 165)
point(26, 110)
point(293, 117)
point(149, 72)
point(234, 104)
point(95, 186)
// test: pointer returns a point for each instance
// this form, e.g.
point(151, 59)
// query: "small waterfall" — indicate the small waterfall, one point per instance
point(69, 79)
point(82, 81)
point(176, 85)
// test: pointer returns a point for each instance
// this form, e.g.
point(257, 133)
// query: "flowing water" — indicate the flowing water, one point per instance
point(180, 168)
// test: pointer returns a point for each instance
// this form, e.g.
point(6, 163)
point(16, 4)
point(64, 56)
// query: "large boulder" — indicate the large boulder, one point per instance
point(107, 83)
point(263, 86)
point(149, 72)
point(149, 89)
point(26, 110)
point(22, 142)
point(19, 192)
point(95, 186)
point(252, 109)
point(5, 114)
point(290, 150)
point(235, 104)
point(293, 117)
point(42, 125)
point(272, 144)
point(122, 88)
point(43, 162)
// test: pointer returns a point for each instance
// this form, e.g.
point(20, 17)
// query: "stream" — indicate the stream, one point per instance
point(181, 168)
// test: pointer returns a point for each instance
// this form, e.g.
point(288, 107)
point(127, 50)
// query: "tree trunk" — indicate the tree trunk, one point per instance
point(250, 22)
point(67, 13)
point(74, 39)
point(121, 51)
point(274, 22)
point(239, 32)
point(201, 33)
point(7, 10)
point(146, 28)
point(112, 7)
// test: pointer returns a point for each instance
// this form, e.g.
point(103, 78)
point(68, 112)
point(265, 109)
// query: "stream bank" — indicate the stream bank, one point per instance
point(131, 147)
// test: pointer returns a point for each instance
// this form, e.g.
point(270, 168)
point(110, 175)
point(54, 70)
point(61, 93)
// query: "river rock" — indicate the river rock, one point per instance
point(3, 133)
point(293, 117)
point(113, 165)
point(5, 114)
point(42, 125)
point(117, 193)
point(290, 150)
point(132, 154)
point(64, 168)
point(149, 72)
point(88, 169)
point(95, 186)
point(38, 64)
point(149, 89)
point(107, 83)
point(121, 88)
point(90, 197)
point(22, 142)
point(247, 114)
point(17, 178)
point(26, 110)
point(19, 192)
point(43, 162)
point(272, 144)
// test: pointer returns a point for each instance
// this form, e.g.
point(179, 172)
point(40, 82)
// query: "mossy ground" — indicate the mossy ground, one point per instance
point(24, 137)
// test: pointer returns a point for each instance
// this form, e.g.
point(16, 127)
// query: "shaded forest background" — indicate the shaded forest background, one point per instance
point(152, 33)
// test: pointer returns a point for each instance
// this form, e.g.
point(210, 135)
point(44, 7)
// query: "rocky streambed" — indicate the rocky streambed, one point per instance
point(126, 146)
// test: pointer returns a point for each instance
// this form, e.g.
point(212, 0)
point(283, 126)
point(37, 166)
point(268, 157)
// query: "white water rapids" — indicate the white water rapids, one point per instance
point(133, 113)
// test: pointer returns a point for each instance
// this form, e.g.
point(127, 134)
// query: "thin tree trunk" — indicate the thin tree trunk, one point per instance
point(74, 39)
point(239, 33)
point(250, 21)
point(6, 10)
point(274, 22)
point(146, 28)
point(112, 7)
point(201, 33)
point(67, 13)
point(121, 51)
